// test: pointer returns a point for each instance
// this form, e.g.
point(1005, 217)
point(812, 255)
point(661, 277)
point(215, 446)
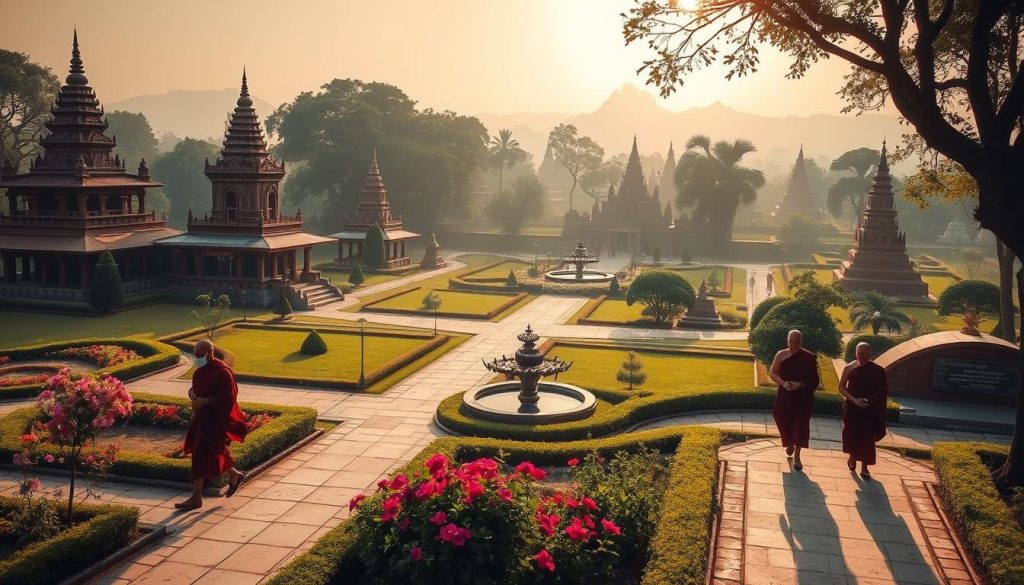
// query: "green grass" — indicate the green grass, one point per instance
point(499, 271)
point(436, 282)
point(452, 302)
point(151, 321)
point(339, 276)
point(595, 368)
point(616, 310)
point(269, 352)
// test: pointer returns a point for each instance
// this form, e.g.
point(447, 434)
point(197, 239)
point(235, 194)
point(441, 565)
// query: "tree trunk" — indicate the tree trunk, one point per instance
point(1012, 473)
point(1007, 317)
point(571, 191)
point(71, 491)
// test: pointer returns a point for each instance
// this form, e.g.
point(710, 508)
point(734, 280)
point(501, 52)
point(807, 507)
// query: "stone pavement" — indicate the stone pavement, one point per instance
point(822, 428)
point(828, 525)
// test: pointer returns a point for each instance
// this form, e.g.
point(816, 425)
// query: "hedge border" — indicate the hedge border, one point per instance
point(980, 514)
point(334, 554)
point(514, 299)
point(290, 425)
point(102, 530)
point(469, 278)
point(155, 355)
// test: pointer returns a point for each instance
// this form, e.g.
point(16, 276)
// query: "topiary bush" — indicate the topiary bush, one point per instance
point(374, 248)
point(763, 307)
point(879, 344)
point(970, 299)
point(313, 344)
point(733, 318)
point(357, 277)
point(820, 334)
point(511, 281)
point(614, 288)
point(283, 308)
point(664, 294)
point(106, 292)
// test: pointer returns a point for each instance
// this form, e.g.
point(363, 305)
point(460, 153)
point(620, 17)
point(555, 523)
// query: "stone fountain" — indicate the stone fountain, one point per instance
point(579, 258)
point(530, 400)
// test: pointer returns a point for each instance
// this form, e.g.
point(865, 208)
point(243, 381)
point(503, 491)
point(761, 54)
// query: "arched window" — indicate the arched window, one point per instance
point(230, 206)
point(272, 204)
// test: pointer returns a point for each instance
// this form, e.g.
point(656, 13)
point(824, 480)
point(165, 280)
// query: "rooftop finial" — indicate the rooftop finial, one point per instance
point(373, 165)
point(883, 161)
point(76, 74)
point(244, 101)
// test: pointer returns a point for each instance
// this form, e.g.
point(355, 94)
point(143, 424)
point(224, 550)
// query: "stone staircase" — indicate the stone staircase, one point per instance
point(313, 292)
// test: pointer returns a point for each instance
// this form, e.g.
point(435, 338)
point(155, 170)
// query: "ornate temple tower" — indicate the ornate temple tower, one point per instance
point(878, 260)
point(373, 208)
point(798, 199)
point(667, 185)
point(76, 201)
point(956, 231)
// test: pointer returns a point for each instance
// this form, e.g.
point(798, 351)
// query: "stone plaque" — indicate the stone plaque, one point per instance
point(975, 377)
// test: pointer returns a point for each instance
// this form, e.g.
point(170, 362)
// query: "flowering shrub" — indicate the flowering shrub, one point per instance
point(480, 522)
point(75, 411)
point(101, 355)
point(160, 414)
point(7, 381)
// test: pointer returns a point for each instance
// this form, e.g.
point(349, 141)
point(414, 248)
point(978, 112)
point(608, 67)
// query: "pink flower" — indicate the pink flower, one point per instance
point(439, 518)
point(573, 462)
point(571, 503)
point(547, 523)
point(431, 488)
point(505, 494)
point(527, 468)
point(473, 490)
point(399, 482)
point(437, 464)
point(29, 438)
point(48, 458)
point(577, 531)
point(589, 504)
point(544, 560)
point(455, 535)
point(354, 502)
point(610, 527)
point(416, 553)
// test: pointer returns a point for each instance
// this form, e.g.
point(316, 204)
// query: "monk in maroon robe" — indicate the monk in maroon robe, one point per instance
point(216, 421)
point(795, 370)
point(866, 390)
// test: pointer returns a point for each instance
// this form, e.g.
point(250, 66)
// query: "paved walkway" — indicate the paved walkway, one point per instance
point(827, 524)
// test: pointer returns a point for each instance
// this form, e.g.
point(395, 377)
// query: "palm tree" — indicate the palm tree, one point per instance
point(853, 188)
point(877, 311)
point(504, 151)
point(711, 178)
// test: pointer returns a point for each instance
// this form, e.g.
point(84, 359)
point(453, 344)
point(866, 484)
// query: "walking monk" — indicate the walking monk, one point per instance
point(216, 421)
point(866, 390)
point(795, 370)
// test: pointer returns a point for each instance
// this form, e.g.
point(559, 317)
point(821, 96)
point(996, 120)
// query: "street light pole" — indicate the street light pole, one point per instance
point(362, 353)
point(535, 255)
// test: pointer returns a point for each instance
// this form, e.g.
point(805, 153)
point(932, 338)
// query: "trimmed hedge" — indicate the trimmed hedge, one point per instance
point(983, 518)
point(879, 345)
point(334, 557)
point(155, 356)
point(291, 424)
point(99, 531)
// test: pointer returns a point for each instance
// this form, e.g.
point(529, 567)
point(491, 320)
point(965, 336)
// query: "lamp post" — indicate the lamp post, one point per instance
point(243, 295)
point(362, 353)
point(535, 255)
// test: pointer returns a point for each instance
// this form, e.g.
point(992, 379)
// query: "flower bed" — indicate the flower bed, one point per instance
point(98, 531)
point(103, 355)
point(338, 557)
point(152, 356)
point(986, 523)
point(282, 427)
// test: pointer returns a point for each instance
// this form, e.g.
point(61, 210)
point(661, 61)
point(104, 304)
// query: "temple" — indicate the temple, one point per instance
point(878, 260)
point(77, 200)
point(373, 209)
point(245, 243)
point(798, 199)
point(630, 219)
point(667, 185)
point(956, 232)
point(703, 314)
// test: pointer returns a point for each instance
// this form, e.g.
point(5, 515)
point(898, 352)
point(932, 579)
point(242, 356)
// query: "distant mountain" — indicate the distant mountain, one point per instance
point(194, 113)
point(630, 111)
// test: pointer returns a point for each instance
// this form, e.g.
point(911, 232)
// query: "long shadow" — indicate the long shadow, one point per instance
point(297, 356)
point(810, 530)
point(891, 534)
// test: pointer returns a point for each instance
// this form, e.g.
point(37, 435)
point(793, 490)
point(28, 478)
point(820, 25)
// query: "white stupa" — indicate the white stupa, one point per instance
point(956, 232)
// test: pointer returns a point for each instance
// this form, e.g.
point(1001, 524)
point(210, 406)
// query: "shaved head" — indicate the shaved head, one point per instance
point(863, 352)
point(204, 347)
point(794, 340)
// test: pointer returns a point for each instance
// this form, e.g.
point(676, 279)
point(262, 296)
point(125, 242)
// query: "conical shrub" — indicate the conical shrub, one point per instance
point(357, 277)
point(283, 308)
point(106, 292)
point(314, 344)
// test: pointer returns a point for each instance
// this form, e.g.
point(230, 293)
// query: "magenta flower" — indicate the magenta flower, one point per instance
point(439, 518)
point(544, 560)
point(454, 535)
point(610, 527)
point(354, 502)
point(416, 553)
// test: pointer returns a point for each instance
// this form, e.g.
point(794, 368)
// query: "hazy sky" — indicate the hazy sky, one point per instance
point(471, 56)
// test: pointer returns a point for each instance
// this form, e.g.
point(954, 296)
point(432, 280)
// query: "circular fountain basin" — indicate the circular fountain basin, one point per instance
point(557, 402)
point(589, 276)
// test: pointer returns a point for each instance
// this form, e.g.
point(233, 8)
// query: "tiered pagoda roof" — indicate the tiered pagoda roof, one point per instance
point(630, 207)
point(245, 150)
point(633, 186)
point(798, 197)
point(374, 208)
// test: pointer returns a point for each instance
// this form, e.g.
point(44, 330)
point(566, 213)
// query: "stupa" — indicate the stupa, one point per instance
point(798, 199)
point(878, 260)
point(703, 314)
point(432, 258)
point(956, 232)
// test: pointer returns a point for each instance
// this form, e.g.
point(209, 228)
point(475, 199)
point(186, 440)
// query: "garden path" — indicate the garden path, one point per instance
point(827, 524)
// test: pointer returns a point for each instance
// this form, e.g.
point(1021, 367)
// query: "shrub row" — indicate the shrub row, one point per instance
point(155, 356)
point(291, 423)
point(879, 344)
point(98, 532)
point(334, 329)
point(335, 553)
point(983, 518)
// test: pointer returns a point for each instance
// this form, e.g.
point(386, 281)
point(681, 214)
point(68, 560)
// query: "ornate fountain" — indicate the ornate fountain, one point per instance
point(530, 400)
point(579, 258)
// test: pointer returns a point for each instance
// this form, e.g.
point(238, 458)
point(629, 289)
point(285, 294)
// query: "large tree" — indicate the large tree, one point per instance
point(851, 189)
point(951, 68)
point(525, 201)
point(504, 151)
point(135, 137)
point(27, 91)
point(427, 158)
point(580, 155)
point(711, 179)
point(181, 172)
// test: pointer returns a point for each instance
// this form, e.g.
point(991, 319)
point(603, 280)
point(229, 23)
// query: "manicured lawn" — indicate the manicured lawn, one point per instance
point(151, 321)
point(616, 310)
point(453, 302)
point(339, 277)
point(499, 271)
point(595, 368)
point(938, 283)
point(276, 353)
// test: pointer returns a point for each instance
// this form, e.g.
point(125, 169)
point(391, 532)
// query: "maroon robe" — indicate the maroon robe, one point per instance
point(863, 427)
point(215, 425)
point(793, 408)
